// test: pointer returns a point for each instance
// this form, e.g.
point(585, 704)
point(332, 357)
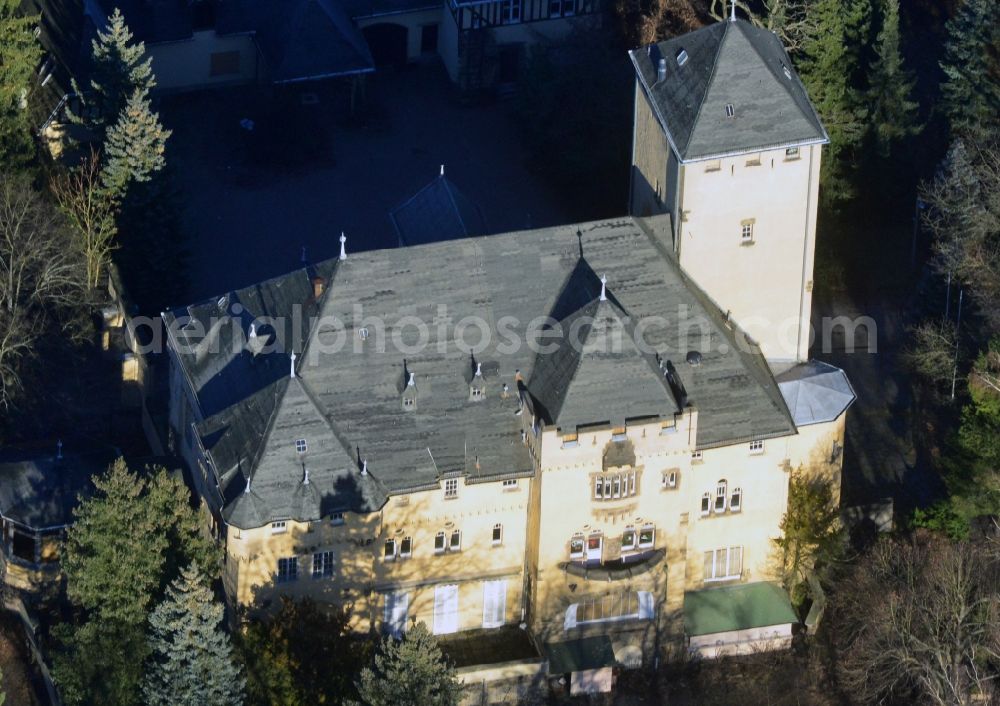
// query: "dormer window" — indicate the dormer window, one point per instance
point(618, 434)
point(682, 57)
point(301, 446)
point(730, 110)
point(757, 447)
point(451, 488)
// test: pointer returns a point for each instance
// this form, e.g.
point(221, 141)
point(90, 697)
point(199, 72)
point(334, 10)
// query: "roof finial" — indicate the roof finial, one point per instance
point(305, 479)
point(604, 290)
point(479, 370)
point(442, 170)
point(253, 330)
point(364, 467)
point(343, 252)
point(246, 490)
point(293, 356)
point(732, 11)
point(412, 381)
point(59, 450)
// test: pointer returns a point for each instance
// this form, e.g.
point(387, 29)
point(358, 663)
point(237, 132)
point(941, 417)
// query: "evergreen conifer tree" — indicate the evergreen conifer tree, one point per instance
point(971, 65)
point(826, 67)
point(117, 70)
point(19, 56)
point(191, 655)
point(894, 115)
point(410, 671)
point(133, 150)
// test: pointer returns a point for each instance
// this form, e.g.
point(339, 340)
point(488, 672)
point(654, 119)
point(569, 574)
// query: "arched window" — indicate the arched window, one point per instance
point(720, 496)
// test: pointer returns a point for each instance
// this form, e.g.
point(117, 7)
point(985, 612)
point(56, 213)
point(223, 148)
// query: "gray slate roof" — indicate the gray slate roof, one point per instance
point(359, 9)
point(815, 392)
point(40, 491)
point(348, 403)
point(439, 211)
point(300, 39)
point(729, 62)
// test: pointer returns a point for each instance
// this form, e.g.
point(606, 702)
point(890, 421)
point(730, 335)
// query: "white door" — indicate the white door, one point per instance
point(445, 609)
point(494, 603)
point(396, 607)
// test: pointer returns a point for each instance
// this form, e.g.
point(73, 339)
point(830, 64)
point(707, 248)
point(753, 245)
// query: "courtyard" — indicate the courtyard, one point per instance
point(307, 170)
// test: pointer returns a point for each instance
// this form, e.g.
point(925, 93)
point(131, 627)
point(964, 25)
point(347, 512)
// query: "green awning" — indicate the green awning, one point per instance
point(577, 655)
point(740, 607)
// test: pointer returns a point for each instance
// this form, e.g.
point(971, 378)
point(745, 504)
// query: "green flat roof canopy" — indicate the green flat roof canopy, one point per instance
point(578, 655)
point(740, 607)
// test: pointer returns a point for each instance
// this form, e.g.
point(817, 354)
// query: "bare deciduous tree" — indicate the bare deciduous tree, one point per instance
point(41, 277)
point(916, 621)
point(789, 19)
point(91, 212)
point(963, 215)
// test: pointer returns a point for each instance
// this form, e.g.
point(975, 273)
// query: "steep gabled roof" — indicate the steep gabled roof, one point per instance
point(597, 374)
point(300, 40)
point(437, 212)
point(734, 64)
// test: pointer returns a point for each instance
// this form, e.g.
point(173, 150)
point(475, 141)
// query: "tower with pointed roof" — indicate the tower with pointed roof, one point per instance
point(726, 141)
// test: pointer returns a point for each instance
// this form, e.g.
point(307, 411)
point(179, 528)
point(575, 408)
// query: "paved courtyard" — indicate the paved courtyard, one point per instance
point(253, 199)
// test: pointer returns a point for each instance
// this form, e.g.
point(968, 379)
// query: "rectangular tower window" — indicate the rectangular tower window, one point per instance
point(746, 231)
point(451, 488)
point(288, 569)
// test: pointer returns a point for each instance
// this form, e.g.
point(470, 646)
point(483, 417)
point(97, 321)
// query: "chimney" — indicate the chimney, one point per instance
point(661, 71)
point(319, 284)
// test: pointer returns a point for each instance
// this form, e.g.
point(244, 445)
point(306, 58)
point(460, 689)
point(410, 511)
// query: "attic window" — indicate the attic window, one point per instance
point(682, 57)
point(730, 110)
point(363, 333)
point(787, 71)
point(301, 446)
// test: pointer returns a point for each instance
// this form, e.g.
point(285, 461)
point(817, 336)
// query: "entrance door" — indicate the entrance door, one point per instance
point(494, 603)
point(445, 609)
point(387, 42)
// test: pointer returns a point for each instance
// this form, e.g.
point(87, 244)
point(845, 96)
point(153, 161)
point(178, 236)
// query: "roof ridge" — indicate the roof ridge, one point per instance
point(451, 197)
point(711, 79)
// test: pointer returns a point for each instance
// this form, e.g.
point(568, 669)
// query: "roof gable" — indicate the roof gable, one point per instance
point(734, 64)
point(439, 211)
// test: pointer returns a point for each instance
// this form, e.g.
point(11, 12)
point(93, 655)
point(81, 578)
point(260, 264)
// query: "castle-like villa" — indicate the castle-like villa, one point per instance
point(586, 430)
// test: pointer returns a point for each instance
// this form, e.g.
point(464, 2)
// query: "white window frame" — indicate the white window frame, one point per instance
point(562, 8)
point(394, 615)
point(652, 537)
point(451, 488)
point(454, 546)
point(736, 500)
point(724, 562)
point(721, 493)
point(595, 554)
point(446, 609)
point(440, 543)
point(494, 538)
point(494, 603)
point(337, 519)
point(301, 446)
point(510, 484)
point(511, 11)
point(583, 547)
point(630, 545)
point(405, 551)
point(645, 610)
point(670, 479)
point(389, 549)
point(322, 566)
point(746, 232)
point(697, 456)
point(279, 527)
point(757, 446)
point(706, 504)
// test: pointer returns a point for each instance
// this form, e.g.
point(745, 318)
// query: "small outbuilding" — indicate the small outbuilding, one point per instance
point(588, 661)
point(736, 620)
